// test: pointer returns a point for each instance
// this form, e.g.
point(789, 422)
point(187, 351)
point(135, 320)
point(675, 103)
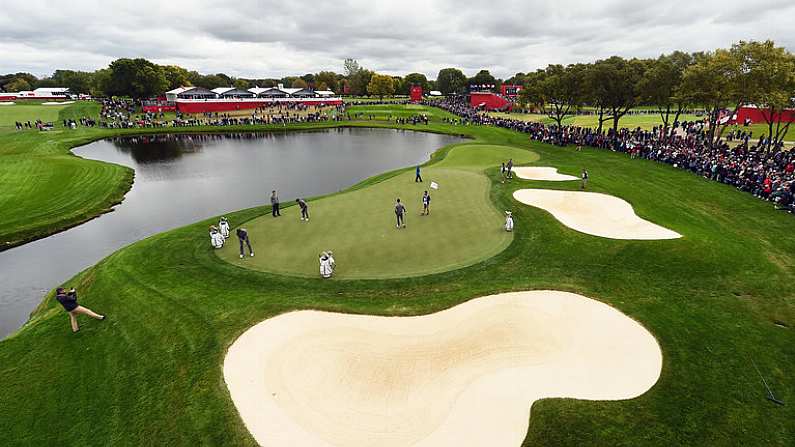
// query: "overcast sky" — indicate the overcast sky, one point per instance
point(264, 39)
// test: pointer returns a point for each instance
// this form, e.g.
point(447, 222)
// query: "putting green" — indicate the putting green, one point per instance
point(462, 229)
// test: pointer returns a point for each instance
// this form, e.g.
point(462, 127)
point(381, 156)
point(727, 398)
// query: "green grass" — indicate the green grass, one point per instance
point(23, 111)
point(151, 374)
point(646, 121)
point(359, 226)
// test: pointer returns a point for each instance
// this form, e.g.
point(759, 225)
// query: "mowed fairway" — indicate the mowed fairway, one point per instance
point(463, 227)
point(25, 111)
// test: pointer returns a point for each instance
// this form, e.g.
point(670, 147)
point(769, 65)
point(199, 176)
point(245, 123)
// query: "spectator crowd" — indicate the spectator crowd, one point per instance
point(748, 166)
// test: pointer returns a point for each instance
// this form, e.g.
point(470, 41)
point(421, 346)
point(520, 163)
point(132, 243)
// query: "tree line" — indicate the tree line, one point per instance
point(720, 82)
point(140, 78)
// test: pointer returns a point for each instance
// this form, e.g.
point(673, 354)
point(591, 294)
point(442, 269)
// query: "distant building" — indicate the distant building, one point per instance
point(46, 93)
point(224, 99)
point(231, 92)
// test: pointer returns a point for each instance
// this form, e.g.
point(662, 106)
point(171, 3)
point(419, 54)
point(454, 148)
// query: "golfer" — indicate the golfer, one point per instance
point(584, 177)
point(242, 236)
point(509, 169)
point(223, 227)
point(400, 211)
point(304, 209)
point(69, 303)
point(417, 176)
point(275, 204)
point(426, 203)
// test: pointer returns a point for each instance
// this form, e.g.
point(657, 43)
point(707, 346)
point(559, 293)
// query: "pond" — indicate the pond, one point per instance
point(180, 179)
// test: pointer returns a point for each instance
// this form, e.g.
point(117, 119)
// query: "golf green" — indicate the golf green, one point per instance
point(463, 226)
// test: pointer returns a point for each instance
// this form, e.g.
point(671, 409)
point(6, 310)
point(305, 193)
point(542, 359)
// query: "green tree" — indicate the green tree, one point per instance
point(416, 79)
point(299, 83)
point(556, 91)
point(401, 88)
point(359, 82)
point(772, 73)
point(328, 78)
point(309, 78)
point(451, 81)
point(722, 80)
point(483, 77)
point(17, 85)
point(381, 85)
point(29, 78)
point(176, 76)
point(613, 86)
point(137, 78)
point(241, 84)
point(660, 86)
point(100, 82)
point(351, 68)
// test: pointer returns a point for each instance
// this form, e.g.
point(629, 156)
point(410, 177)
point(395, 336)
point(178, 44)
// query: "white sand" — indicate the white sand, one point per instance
point(542, 173)
point(466, 376)
point(593, 213)
point(7, 103)
point(56, 103)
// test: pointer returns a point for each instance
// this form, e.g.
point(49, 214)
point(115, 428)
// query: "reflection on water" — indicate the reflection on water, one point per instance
point(180, 179)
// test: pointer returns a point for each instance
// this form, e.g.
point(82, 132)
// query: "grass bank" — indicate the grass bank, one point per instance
point(151, 374)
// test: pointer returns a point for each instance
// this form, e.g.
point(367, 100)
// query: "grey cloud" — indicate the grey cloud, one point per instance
point(265, 38)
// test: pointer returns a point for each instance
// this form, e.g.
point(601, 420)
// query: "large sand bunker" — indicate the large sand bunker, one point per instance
point(594, 213)
point(542, 173)
point(466, 376)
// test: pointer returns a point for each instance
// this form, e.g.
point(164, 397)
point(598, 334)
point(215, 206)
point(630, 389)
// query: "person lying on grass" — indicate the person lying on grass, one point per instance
point(69, 302)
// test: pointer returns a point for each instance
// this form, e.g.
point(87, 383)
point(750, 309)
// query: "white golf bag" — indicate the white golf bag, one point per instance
point(508, 221)
point(216, 239)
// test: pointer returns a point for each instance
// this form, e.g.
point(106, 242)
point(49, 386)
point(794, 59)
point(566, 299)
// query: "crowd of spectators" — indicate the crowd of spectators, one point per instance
point(766, 173)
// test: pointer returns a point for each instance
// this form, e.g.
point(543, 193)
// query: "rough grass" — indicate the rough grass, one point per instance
point(151, 374)
point(463, 228)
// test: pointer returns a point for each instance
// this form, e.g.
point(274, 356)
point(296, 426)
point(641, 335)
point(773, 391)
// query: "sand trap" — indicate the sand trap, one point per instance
point(466, 376)
point(7, 103)
point(57, 103)
point(595, 214)
point(542, 173)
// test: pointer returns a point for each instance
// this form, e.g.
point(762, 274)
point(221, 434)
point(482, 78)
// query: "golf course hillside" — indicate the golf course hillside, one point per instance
point(462, 228)
point(699, 319)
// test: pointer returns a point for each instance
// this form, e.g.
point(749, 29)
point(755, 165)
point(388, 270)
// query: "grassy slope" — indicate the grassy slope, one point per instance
point(360, 226)
point(632, 121)
point(152, 373)
point(67, 190)
point(23, 111)
point(43, 188)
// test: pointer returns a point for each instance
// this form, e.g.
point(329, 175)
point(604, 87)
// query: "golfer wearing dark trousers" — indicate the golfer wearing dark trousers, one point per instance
point(275, 204)
point(242, 236)
point(304, 208)
point(426, 204)
point(417, 176)
point(400, 210)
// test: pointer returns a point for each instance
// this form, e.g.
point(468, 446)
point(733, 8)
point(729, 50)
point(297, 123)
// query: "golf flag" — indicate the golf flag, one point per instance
point(434, 185)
